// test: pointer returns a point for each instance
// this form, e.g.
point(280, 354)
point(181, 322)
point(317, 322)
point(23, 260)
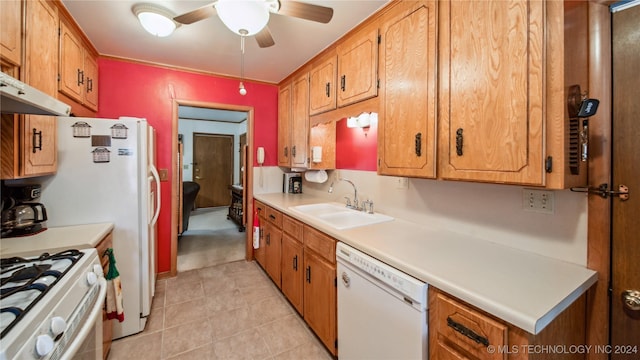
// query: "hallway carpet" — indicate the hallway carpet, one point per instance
point(210, 240)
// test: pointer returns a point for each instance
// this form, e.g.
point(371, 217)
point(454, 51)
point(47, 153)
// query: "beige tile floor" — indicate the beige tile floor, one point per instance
point(228, 311)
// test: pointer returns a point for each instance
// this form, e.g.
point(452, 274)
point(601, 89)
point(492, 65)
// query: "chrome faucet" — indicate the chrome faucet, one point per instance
point(355, 193)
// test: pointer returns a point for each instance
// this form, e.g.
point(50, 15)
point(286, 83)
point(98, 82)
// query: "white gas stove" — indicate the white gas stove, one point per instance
point(51, 305)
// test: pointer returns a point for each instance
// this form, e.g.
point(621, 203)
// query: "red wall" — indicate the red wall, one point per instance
point(129, 89)
point(356, 148)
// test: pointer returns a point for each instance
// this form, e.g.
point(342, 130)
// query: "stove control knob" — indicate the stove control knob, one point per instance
point(44, 345)
point(92, 278)
point(98, 270)
point(58, 325)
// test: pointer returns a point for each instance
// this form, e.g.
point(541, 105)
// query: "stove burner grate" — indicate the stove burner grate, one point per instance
point(25, 274)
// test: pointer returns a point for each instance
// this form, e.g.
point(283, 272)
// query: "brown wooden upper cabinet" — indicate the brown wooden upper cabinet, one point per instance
point(293, 122)
point(10, 31)
point(30, 144)
point(491, 91)
point(358, 66)
point(407, 121)
point(322, 85)
point(78, 69)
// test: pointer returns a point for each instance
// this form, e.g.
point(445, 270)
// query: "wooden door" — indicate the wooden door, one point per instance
point(491, 90)
point(273, 240)
point(407, 125)
point(625, 274)
point(41, 71)
point(11, 30)
point(242, 139)
point(91, 82)
point(72, 76)
point(322, 86)
point(320, 298)
point(213, 168)
point(299, 121)
point(358, 67)
point(284, 125)
point(292, 271)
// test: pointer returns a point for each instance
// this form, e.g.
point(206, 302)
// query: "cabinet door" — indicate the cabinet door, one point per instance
point(358, 67)
point(320, 298)
point(11, 31)
point(39, 155)
point(491, 91)
point(407, 122)
point(272, 252)
point(91, 82)
point(292, 271)
point(41, 71)
point(72, 76)
point(322, 86)
point(299, 121)
point(323, 135)
point(284, 125)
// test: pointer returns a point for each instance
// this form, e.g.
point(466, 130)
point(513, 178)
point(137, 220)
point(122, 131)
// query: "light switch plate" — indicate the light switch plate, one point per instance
point(536, 200)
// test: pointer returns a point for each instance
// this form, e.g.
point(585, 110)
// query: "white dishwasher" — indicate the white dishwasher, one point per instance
point(382, 312)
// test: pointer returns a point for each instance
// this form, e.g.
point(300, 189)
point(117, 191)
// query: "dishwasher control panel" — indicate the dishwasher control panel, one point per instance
point(409, 286)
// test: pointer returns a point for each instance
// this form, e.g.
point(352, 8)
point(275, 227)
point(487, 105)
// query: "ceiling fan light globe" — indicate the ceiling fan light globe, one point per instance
point(155, 20)
point(156, 24)
point(242, 16)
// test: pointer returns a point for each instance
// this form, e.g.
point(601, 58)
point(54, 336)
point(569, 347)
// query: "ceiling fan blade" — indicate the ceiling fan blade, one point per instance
point(306, 11)
point(198, 14)
point(264, 38)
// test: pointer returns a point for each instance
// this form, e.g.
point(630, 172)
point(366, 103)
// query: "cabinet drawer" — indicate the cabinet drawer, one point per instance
point(462, 327)
point(274, 217)
point(102, 246)
point(292, 227)
point(322, 244)
point(262, 208)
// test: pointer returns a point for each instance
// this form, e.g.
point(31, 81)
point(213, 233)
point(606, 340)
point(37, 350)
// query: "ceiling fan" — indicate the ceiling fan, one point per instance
point(250, 17)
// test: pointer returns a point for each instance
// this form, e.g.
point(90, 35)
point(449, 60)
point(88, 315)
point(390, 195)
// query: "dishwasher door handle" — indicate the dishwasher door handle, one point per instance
point(346, 280)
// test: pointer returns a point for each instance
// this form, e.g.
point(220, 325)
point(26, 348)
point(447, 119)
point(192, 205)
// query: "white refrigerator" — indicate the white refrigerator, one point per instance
point(106, 173)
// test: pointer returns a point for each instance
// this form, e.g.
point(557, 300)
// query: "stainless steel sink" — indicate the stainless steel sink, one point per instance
point(338, 216)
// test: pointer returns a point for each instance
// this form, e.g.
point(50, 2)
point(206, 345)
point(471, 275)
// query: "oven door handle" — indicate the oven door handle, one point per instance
point(94, 316)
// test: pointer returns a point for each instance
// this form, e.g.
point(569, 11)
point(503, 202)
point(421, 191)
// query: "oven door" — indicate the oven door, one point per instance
point(83, 337)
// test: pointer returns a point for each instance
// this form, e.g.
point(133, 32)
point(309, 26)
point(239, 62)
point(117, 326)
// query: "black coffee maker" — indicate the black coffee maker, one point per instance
point(22, 215)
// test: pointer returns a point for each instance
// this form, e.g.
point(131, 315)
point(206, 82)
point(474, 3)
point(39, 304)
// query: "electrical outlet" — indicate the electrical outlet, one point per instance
point(541, 201)
point(402, 183)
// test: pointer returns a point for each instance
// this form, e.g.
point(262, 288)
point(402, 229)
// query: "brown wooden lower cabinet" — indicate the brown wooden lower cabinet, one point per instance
point(305, 270)
point(320, 298)
point(459, 331)
point(107, 330)
point(292, 270)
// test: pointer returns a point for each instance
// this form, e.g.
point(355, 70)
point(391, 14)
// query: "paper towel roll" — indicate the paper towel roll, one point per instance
point(316, 176)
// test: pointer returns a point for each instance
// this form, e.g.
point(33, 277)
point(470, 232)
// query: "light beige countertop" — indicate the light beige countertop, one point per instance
point(523, 288)
point(55, 239)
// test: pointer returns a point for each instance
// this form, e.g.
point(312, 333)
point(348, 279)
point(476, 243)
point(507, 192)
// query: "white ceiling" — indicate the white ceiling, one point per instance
point(208, 45)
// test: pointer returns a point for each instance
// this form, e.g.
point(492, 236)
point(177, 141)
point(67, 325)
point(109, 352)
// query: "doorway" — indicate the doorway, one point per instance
point(213, 168)
point(625, 244)
point(210, 155)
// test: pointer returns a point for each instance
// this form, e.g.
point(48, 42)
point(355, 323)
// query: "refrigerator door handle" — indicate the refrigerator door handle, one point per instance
point(156, 176)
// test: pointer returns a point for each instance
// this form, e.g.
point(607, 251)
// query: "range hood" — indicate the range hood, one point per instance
point(20, 98)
